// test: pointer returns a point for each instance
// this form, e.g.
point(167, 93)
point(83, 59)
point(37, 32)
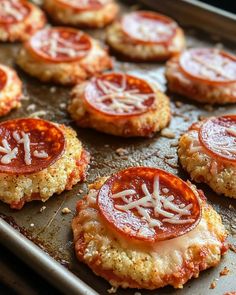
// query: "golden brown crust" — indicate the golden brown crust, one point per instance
point(62, 175)
point(98, 18)
point(124, 46)
point(199, 91)
point(132, 264)
point(219, 175)
point(70, 73)
point(22, 31)
point(11, 94)
point(138, 125)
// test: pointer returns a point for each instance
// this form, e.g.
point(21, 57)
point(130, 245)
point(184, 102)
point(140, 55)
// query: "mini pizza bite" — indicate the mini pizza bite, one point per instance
point(208, 152)
point(63, 55)
point(82, 13)
point(146, 36)
point(38, 159)
point(10, 90)
point(121, 105)
point(145, 228)
point(19, 19)
point(207, 75)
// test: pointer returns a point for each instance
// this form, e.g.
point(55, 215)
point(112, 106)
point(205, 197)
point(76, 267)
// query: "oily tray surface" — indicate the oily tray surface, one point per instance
point(51, 230)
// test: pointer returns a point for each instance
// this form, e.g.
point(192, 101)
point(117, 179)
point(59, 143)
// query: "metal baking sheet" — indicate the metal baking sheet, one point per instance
point(45, 241)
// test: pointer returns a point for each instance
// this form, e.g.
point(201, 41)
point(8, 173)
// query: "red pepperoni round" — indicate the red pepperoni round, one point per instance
point(209, 65)
point(13, 11)
point(29, 145)
point(117, 94)
point(3, 79)
point(60, 44)
point(218, 137)
point(81, 5)
point(148, 27)
point(148, 204)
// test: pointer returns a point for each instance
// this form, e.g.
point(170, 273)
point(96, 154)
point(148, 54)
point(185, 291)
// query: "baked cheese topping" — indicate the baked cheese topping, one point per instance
point(12, 11)
point(83, 3)
point(158, 202)
point(29, 145)
point(148, 27)
point(148, 204)
point(121, 95)
point(209, 64)
point(218, 136)
point(60, 44)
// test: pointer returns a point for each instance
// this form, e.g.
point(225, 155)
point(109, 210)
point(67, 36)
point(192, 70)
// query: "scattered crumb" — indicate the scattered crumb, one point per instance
point(186, 119)
point(174, 143)
point(232, 247)
point(213, 285)
point(38, 114)
point(208, 107)
point(31, 107)
point(230, 206)
point(167, 132)
point(53, 89)
point(81, 191)
point(112, 290)
point(65, 210)
point(37, 2)
point(122, 152)
point(137, 293)
point(32, 224)
point(62, 105)
point(219, 45)
point(135, 7)
point(224, 272)
point(200, 117)
point(42, 209)
point(178, 104)
point(106, 145)
point(25, 97)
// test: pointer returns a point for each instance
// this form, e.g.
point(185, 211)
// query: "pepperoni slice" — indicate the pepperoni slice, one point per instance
point(60, 44)
point(117, 94)
point(29, 145)
point(218, 137)
point(3, 79)
point(209, 65)
point(81, 5)
point(13, 11)
point(148, 27)
point(148, 204)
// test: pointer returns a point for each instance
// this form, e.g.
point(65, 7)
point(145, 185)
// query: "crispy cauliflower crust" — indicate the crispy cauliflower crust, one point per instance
point(62, 175)
point(70, 73)
point(202, 167)
point(135, 125)
point(11, 94)
point(125, 46)
point(128, 264)
point(202, 92)
point(98, 18)
point(22, 31)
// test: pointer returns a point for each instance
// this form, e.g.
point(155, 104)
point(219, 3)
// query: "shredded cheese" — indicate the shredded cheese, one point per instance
point(11, 154)
point(147, 29)
point(41, 154)
point(156, 201)
point(12, 8)
point(118, 99)
point(56, 45)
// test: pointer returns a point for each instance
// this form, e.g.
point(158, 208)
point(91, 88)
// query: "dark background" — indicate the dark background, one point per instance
point(229, 5)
